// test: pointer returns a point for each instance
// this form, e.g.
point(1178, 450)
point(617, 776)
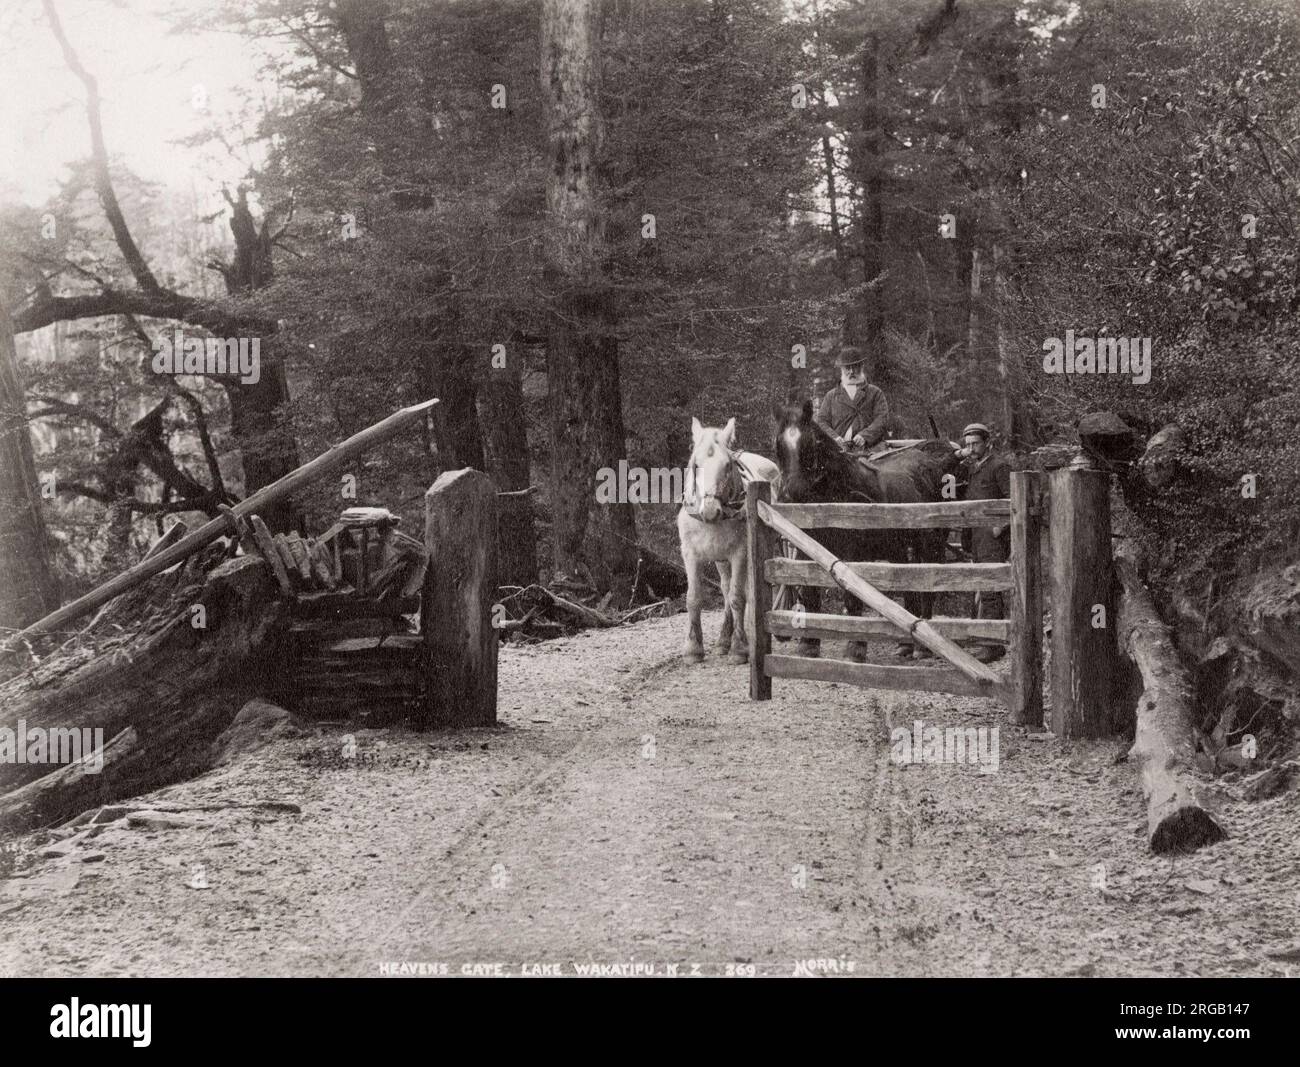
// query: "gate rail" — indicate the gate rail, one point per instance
point(1020, 578)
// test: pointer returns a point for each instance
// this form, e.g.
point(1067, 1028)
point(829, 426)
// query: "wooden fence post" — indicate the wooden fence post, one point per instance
point(1083, 638)
point(1026, 637)
point(460, 642)
point(762, 544)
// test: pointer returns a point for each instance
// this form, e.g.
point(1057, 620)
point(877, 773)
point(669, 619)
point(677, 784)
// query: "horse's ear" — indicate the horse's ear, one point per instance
point(728, 434)
point(697, 430)
point(778, 412)
point(806, 414)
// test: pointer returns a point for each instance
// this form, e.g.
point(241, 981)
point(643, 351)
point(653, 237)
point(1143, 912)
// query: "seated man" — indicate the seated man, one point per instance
point(989, 476)
point(854, 412)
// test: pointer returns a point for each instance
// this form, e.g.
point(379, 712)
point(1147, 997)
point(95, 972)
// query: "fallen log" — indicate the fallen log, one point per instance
point(176, 685)
point(323, 464)
point(1163, 744)
point(71, 785)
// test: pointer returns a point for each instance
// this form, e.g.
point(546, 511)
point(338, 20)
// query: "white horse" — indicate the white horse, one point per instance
point(711, 527)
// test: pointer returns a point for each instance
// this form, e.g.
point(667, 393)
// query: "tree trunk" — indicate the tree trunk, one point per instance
point(504, 419)
point(452, 371)
point(267, 448)
point(267, 451)
point(1008, 376)
point(178, 687)
point(28, 589)
point(868, 328)
point(586, 412)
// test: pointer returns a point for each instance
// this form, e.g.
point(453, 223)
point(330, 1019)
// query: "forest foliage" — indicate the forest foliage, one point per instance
point(942, 178)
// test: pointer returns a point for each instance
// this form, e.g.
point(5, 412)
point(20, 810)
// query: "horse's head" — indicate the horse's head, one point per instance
point(800, 448)
point(712, 478)
point(814, 467)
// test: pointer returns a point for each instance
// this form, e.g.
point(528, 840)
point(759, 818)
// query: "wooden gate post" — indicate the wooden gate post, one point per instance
point(1083, 631)
point(762, 545)
point(1026, 637)
point(460, 643)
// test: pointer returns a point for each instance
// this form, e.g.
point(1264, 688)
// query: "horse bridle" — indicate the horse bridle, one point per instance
point(730, 508)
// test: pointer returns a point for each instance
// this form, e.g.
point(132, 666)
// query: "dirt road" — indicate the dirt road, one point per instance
point(631, 809)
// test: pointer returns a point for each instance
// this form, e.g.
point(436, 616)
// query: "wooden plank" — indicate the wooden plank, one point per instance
point(1083, 655)
point(338, 456)
point(387, 575)
point(416, 580)
point(854, 583)
point(309, 605)
point(362, 534)
point(460, 524)
point(918, 577)
point(1026, 598)
point(331, 533)
point(319, 563)
point(286, 557)
point(929, 515)
point(762, 544)
point(266, 547)
point(852, 628)
point(873, 676)
point(299, 553)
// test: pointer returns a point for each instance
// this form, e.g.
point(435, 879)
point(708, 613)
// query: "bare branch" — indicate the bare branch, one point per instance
point(103, 182)
point(55, 406)
point(158, 304)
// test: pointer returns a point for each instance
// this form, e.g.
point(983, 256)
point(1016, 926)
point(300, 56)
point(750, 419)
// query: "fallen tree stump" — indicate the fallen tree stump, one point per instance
point(162, 683)
point(1163, 744)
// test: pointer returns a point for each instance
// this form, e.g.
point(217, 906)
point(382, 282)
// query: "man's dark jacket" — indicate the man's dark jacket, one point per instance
point(866, 413)
point(991, 480)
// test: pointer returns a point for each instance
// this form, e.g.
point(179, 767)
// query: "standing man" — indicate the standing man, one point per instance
point(854, 412)
point(989, 478)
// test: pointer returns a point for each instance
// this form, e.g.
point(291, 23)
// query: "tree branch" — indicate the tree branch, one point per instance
point(103, 182)
point(55, 406)
point(158, 304)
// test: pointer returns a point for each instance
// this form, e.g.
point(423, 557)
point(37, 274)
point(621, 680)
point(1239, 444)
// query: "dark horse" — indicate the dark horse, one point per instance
point(815, 469)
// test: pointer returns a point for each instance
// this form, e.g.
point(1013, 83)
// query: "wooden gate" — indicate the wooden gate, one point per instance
point(1019, 579)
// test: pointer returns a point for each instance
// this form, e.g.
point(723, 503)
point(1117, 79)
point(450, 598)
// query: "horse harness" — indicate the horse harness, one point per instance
point(730, 507)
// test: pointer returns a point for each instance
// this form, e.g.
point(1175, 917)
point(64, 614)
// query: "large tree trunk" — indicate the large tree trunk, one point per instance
point(452, 371)
point(1008, 371)
point(867, 326)
point(28, 589)
point(502, 405)
point(267, 447)
point(586, 405)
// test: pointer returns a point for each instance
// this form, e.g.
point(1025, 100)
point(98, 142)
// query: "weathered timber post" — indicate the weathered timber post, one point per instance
point(1026, 598)
point(762, 545)
point(1083, 631)
point(460, 642)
